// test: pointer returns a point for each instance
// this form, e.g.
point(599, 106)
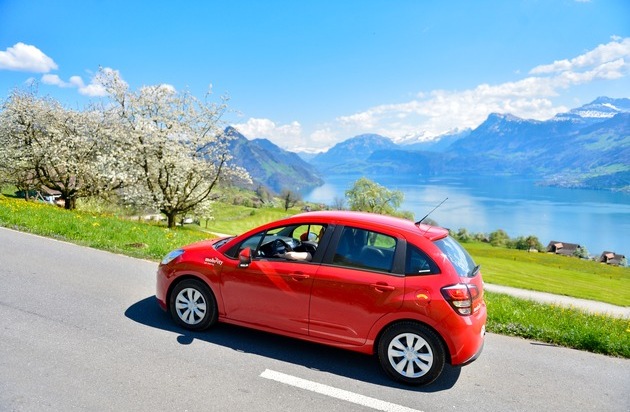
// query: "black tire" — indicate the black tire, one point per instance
point(411, 353)
point(192, 305)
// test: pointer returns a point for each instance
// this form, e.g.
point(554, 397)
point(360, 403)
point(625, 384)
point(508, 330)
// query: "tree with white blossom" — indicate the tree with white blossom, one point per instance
point(177, 146)
point(17, 130)
point(45, 146)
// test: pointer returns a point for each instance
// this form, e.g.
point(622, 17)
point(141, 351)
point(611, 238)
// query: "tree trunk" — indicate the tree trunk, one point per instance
point(171, 219)
point(70, 204)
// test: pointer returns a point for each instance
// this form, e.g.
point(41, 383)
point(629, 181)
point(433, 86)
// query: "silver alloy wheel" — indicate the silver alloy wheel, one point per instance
point(410, 355)
point(190, 306)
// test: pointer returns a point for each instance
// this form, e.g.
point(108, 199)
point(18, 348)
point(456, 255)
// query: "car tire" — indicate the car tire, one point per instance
point(411, 353)
point(193, 305)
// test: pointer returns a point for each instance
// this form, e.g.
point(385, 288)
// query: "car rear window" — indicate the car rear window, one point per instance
point(419, 263)
point(458, 256)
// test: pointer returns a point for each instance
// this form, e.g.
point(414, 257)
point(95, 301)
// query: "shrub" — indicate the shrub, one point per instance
point(499, 238)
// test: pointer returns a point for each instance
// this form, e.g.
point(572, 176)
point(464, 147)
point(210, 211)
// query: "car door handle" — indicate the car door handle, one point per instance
point(300, 276)
point(383, 287)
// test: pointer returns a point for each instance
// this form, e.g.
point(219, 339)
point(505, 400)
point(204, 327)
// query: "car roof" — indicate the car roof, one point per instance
point(346, 217)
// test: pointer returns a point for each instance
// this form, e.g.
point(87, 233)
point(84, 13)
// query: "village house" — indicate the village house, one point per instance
point(563, 248)
point(611, 258)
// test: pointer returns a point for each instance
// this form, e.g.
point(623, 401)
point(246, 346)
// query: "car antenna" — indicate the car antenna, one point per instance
point(433, 210)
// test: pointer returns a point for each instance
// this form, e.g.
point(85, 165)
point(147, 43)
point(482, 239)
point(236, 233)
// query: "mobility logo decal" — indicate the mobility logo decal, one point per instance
point(213, 261)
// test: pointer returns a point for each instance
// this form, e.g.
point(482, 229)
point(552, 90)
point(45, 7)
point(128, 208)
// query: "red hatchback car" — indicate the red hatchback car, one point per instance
point(359, 281)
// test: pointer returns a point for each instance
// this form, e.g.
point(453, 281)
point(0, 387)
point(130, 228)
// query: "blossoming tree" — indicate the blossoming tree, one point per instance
point(176, 143)
point(45, 146)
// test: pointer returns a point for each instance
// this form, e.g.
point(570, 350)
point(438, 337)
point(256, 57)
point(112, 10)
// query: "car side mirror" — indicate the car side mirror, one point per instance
point(244, 258)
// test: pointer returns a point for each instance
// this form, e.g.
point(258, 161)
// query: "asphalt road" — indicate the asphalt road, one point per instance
point(80, 330)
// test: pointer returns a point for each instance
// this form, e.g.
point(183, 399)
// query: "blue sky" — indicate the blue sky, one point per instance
point(309, 74)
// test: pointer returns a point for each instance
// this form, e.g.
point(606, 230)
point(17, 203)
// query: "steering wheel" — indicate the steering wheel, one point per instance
point(279, 247)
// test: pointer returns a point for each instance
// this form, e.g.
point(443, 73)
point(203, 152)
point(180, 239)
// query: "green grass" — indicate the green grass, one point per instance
point(553, 273)
point(558, 325)
point(233, 220)
point(97, 230)
point(109, 230)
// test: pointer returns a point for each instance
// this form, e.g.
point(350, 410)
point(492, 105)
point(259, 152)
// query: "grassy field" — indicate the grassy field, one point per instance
point(569, 276)
point(233, 220)
point(553, 273)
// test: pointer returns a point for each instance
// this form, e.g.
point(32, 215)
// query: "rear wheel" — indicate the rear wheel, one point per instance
point(411, 353)
point(192, 305)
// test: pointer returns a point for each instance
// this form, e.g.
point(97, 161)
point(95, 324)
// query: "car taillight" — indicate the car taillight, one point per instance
point(461, 297)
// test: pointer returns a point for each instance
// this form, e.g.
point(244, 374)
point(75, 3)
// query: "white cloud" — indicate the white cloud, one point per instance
point(163, 88)
point(26, 58)
point(599, 56)
point(169, 87)
point(325, 137)
point(76, 81)
point(440, 111)
point(286, 136)
point(54, 80)
point(289, 136)
point(93, 89)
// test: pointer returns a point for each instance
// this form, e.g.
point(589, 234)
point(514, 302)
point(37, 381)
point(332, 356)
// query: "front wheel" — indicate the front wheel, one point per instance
point(411, 353)
point(192, 305)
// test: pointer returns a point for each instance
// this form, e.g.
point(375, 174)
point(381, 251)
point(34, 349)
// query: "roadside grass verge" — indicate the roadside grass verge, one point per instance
point(557, 325)
point(97, 230)
point(506, 315)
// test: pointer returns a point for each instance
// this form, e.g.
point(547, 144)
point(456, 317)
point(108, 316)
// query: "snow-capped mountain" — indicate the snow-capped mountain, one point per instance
point(600, 109)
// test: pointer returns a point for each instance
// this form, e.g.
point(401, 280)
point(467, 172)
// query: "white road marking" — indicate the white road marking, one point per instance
point(362, 400)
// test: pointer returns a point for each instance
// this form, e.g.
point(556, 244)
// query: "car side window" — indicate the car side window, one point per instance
point(419, 263)
point(309, 232)
point(291, 243)
point(365, 249)
point(275, 243)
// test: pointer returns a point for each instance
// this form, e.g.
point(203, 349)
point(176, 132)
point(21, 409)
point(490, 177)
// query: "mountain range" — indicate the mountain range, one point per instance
point(587, 147)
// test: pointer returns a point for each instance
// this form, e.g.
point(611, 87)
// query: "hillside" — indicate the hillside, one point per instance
point(271, 166)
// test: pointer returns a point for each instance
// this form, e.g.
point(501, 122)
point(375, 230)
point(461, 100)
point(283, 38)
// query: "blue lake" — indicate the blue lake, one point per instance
point(597, 220)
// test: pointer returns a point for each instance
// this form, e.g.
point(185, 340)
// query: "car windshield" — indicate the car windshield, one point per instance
point(458, 256)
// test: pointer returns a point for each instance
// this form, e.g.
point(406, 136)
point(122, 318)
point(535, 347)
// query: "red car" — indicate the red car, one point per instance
point(359, 281)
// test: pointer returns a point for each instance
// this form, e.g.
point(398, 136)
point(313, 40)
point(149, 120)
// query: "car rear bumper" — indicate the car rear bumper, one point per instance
point(476, 355)
point(467, 338)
